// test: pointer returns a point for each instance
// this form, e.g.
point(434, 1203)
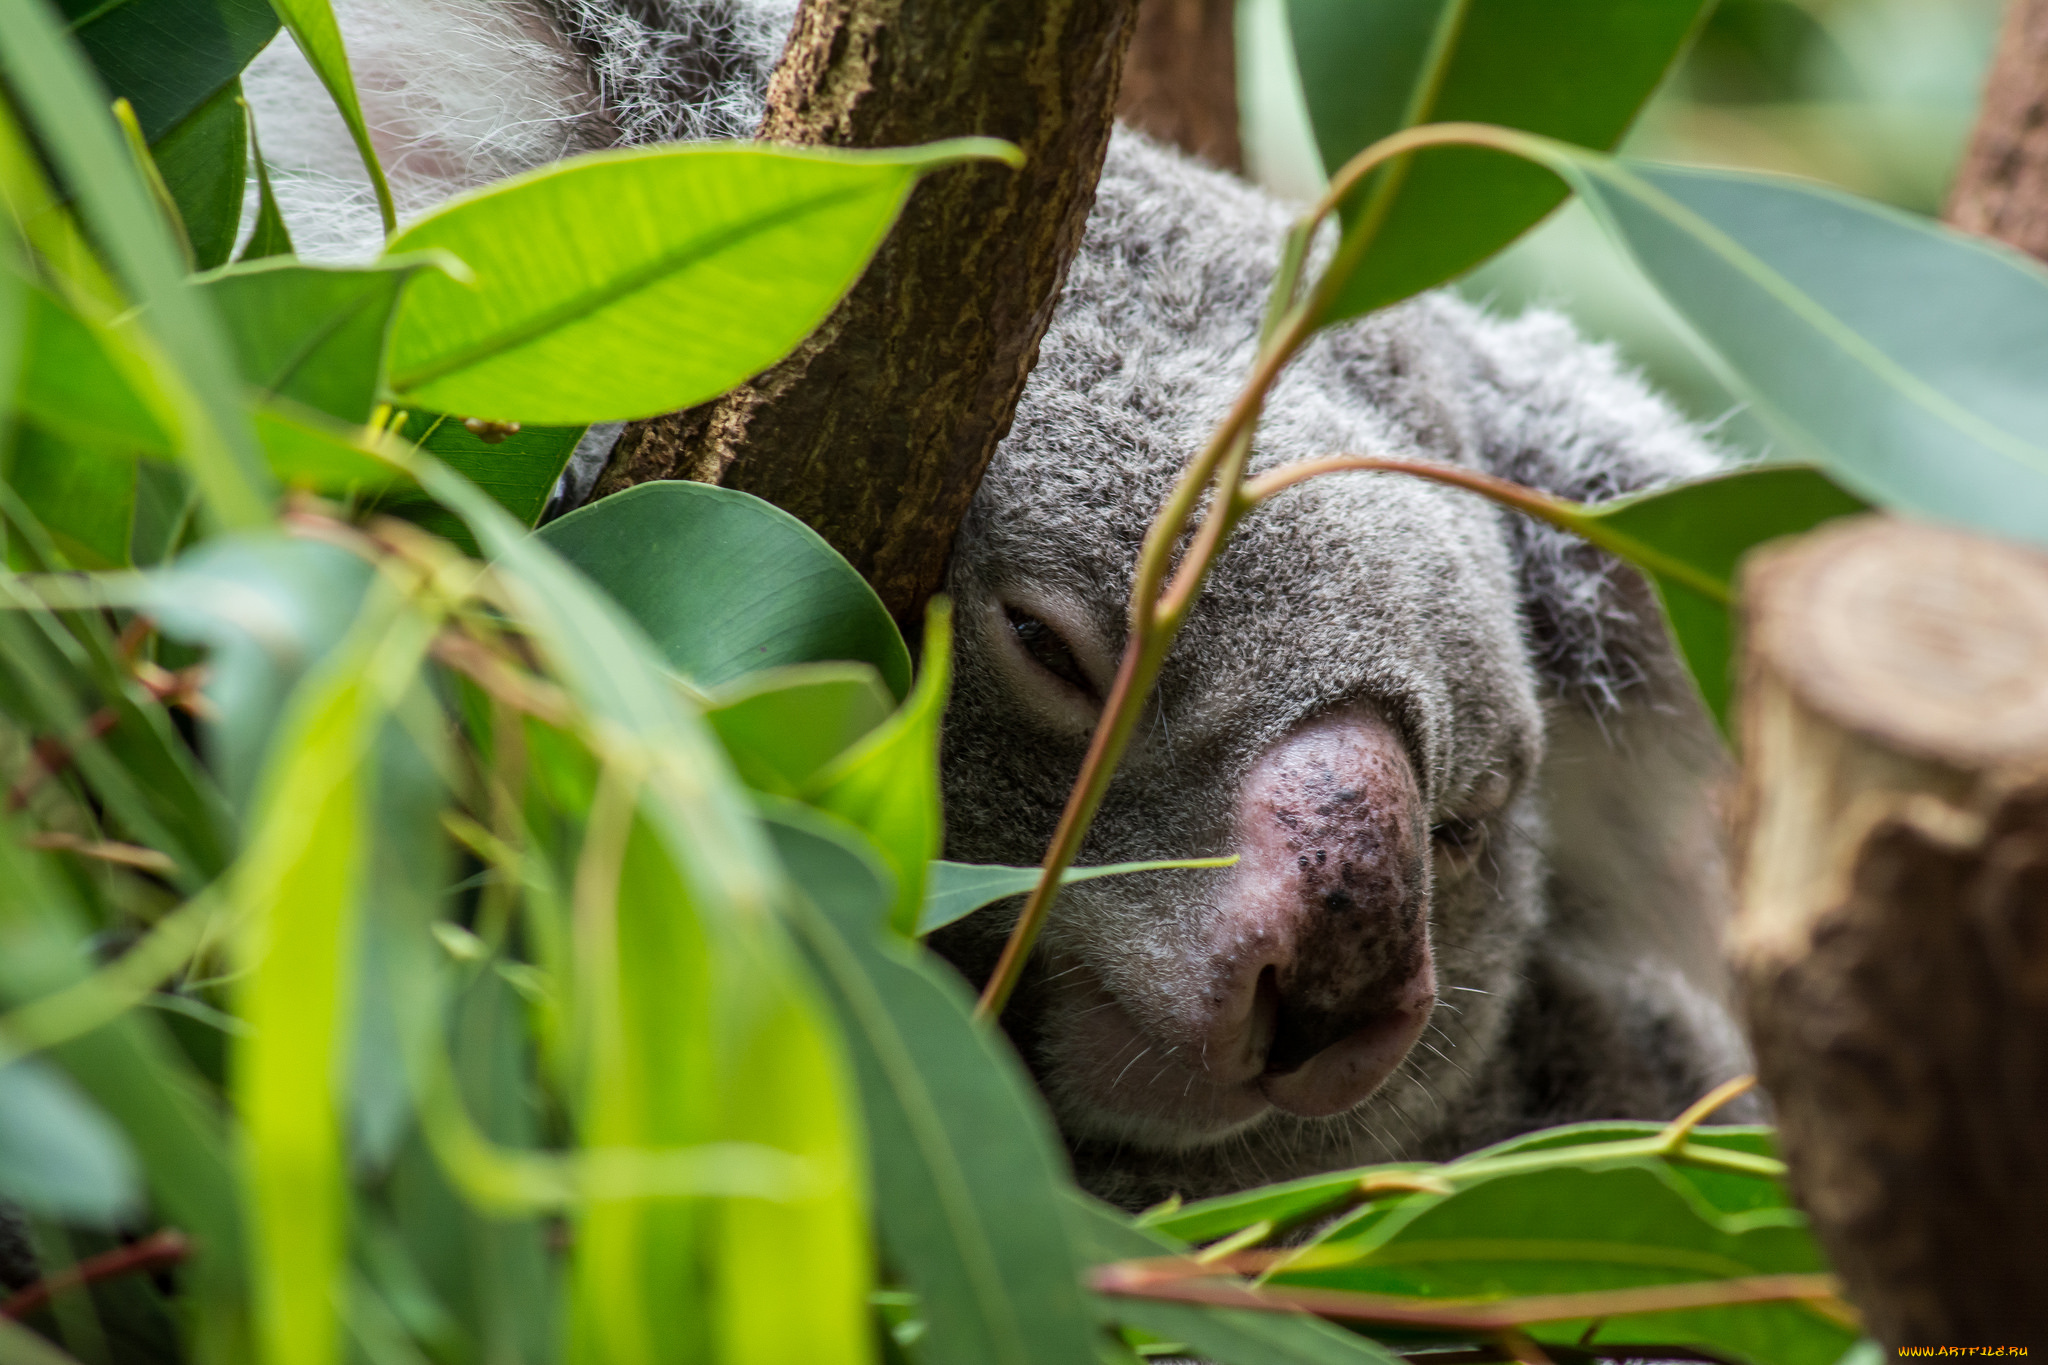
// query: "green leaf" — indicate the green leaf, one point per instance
point(1228, 1336)
point(1690, 539)
point(77, 381)
point(268, 237)
point(781, 725)
point(59, 1156)
point(56, 91)
point(632, 282)
point(1577, 70)
point(84, 497)
point(969, 1175)
point(887, 785)
point(1903, 357)
point(169, 57)
point(204, 160)
point(956, 890)
point(726, 584)
point(314, 334)
point(1570, 1230)
point(518, 469)
point(313, 28)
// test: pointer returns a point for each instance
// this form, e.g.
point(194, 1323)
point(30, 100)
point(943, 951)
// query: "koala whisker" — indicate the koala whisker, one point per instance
point(1127, 1067)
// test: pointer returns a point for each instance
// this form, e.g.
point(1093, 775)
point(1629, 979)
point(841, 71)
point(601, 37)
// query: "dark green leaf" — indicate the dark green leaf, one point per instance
point(955, 890)
point(59, 1156)
point(314, 334)
point(1577, 70)
point(969, 1175)
point(781, 725)
point(268, 237)
point(168, 57)
point(625, 283)
point(204, 160)
point(518, 469)
point(84, 497)
point(726, 584)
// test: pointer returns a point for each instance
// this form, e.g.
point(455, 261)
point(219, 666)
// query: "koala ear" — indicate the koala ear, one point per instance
point(1551, 410)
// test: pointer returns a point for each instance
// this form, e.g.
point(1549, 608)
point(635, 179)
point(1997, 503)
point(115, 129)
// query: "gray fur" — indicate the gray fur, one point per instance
point(1559, 750)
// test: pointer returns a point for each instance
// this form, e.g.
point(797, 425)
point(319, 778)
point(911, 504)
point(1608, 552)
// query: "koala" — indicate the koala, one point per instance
point(1473, 795)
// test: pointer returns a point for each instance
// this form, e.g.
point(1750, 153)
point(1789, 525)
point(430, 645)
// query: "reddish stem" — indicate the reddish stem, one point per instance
point(163, 1248)
point(51, 756)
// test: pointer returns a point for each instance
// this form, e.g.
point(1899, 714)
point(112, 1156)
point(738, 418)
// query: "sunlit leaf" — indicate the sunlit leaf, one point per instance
point(956, 890)
point(726, 584)
point(626, 283)
point(781, 725)
point(1577, 70)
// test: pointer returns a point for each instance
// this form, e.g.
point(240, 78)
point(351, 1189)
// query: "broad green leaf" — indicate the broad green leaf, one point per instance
point(169, 57)
point(968, 1172)
point(59, 1156)
point(204, 159)
point(309, 449)
point(1690, 538)
point(956, 890)
point(1570, 1230)
point(313, 334)
point(781, 725)
point(1228, 1336)
point(1577, 70)
point(727, 584)
point(56, 92)
point(1727, 1191)
point(518, 469)
point(84, 497)
point(887, 784)
point(78, 381)
point(1903, 357)
point(313, 28)
point(632, 282)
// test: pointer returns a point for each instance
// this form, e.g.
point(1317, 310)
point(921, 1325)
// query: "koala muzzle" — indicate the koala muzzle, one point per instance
point(1323, 978)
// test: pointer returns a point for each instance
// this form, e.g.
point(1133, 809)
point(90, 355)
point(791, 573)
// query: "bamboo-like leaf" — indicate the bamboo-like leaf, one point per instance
point(956, 890)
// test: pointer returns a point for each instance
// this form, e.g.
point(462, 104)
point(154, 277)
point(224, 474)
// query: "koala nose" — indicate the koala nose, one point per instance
point(1322, 943)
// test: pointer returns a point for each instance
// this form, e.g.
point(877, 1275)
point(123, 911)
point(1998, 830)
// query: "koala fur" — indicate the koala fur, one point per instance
point(1565, 775)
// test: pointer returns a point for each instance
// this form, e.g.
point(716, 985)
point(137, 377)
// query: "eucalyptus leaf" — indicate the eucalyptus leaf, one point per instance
point(632, 282)
point(518, 469)
point(268, 236)
point(781, 725)
point(1577, 70)
point(169, 57)
point(956, 890)
point(726, 584)
point(313, 27)
point(84, 496)
point(969, 1174)
point(60, 1158)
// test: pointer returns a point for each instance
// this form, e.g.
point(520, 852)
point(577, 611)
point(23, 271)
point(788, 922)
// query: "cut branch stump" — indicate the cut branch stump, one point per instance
point(1892, 943)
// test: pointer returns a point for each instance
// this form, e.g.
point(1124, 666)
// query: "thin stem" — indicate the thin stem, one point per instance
point(154, 1252)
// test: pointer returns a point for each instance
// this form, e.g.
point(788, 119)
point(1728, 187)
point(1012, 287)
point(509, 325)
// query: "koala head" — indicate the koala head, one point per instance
point(1351, 710)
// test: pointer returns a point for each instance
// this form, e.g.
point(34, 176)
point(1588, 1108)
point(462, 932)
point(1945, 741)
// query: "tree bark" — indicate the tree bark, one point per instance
point(1893, 939)
point(2001, 189)
point(1180, 82)
point(877, 430)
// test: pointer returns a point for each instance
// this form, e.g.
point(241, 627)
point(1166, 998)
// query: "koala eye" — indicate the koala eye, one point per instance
point(1050, 651)
point(1457, 845)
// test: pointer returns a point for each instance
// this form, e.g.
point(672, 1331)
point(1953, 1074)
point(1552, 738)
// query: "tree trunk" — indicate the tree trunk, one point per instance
point(1893, 939)
point(1180, 83)
point(877, 430)
point(2001, 190)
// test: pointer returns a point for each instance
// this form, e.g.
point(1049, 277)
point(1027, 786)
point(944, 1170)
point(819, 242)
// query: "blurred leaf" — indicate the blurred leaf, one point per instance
point(969, 1175)
point(1690, 538)
point(59, 1156)
point(205, 161)
point(727, 584)
point(308, 449)
point(169, 57)
point(887, 784)
point(631, 282)
point(56, 91)
point(314, 334)
point(20, 1346)
point(1902, 356)
point(1578, 70)
point(1726, 1191)
point(77, 382)
point(1228, 1336)
point(85, 498)
point(1568, 1230)
point(956, 890)
point(518, 469)
point(45, 220)
point(781, 725)
point(313, 28)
